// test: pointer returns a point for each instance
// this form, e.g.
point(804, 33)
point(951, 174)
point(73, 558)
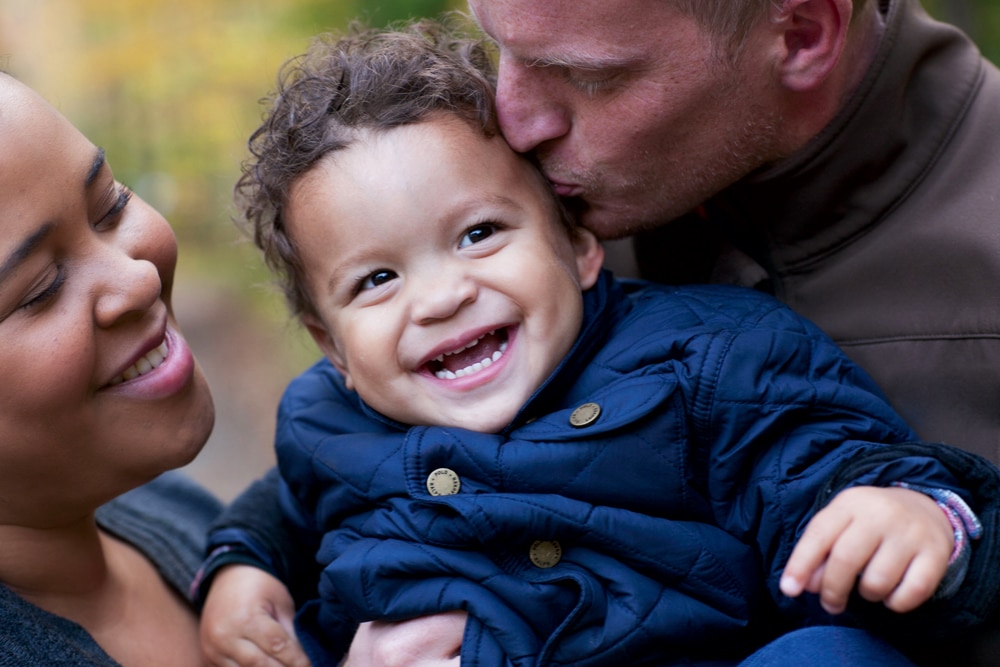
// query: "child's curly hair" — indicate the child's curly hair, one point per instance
point(365, 79)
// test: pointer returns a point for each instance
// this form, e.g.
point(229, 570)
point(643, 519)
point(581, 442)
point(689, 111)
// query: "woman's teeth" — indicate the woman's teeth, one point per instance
point(485, 362)
point(147, 363)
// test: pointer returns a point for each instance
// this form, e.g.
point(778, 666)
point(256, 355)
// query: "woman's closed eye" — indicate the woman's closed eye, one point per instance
point(122, 194)
point(44, 291)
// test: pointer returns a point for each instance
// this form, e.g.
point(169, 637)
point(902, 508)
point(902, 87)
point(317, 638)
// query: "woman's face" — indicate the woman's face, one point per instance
point(98, 389)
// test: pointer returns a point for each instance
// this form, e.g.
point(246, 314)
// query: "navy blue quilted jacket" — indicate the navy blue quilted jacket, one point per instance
point(640, 508)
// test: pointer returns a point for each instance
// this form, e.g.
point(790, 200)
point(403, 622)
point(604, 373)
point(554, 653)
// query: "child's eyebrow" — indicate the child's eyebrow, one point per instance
point(465, 207)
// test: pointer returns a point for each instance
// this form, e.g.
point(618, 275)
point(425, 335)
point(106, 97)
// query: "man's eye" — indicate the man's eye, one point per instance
point(376, 278)
point(477, 234)
point(592, 82)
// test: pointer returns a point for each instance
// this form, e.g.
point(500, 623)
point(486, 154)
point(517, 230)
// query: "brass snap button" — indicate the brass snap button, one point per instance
point(585, 415)
point(545, 553)
point(443, 482)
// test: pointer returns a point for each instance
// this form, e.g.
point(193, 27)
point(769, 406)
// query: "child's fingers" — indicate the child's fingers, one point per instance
point(804, 569)
point(270, 649)
point(918, 583)
point(277, 645)
point(247, 621)
point(885, 571)
point(848, 557)
point(251, 640)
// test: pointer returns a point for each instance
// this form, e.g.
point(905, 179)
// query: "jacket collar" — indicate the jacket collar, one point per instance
point(603, 305)
point(847, 178)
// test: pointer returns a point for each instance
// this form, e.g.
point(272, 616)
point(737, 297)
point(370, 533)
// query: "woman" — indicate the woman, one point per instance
point(100, 396)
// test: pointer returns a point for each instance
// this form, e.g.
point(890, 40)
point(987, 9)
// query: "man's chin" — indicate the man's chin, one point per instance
point(608, 224)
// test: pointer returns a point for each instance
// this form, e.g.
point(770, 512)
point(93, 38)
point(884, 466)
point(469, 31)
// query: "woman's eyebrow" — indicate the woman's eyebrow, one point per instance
point(25, 248)
point(95, 168)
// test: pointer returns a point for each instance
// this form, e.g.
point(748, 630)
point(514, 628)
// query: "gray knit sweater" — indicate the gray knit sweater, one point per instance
point(166, 519)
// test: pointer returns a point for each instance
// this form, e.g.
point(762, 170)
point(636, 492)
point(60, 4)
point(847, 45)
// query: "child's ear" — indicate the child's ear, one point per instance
point(589, 257)
point(317, 329)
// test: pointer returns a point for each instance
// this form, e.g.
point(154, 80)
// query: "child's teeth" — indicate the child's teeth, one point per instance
point(445, 374)
point(474, 343)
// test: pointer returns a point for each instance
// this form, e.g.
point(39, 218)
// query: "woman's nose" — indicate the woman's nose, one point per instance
point(528, 113)
point(128, 287)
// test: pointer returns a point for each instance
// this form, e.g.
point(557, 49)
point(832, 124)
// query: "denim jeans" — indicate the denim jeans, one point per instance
point(827, 646)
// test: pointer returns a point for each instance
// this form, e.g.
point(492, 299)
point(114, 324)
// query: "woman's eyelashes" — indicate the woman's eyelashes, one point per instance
point(45, 292)
point(121, 197)
point(49, 287)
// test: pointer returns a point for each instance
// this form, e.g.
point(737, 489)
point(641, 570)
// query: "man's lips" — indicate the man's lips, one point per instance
point(563, 189)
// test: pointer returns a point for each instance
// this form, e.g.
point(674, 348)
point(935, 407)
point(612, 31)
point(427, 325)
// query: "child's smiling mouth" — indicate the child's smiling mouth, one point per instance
point(474, 357)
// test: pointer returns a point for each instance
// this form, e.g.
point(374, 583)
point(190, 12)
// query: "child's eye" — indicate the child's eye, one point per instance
point(477, 233)
point(376, 278)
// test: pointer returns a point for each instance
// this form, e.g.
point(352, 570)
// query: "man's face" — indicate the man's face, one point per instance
point(629, 108)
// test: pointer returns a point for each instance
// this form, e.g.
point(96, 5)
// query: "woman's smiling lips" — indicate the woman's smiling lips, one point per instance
point(145, 364)
point(160, 372)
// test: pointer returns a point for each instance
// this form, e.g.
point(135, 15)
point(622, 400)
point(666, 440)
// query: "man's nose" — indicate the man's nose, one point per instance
point(528, 111)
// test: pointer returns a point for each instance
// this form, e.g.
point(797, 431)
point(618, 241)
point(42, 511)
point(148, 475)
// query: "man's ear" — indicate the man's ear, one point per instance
point(317, 329)
point(589, 257)
point(812, 35)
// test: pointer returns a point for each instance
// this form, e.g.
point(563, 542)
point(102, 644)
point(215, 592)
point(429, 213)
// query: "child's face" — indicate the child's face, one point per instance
point(447, 289)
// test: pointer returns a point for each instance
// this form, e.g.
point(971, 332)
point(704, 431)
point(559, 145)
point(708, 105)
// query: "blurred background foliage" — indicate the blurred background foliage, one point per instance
point(170, 88)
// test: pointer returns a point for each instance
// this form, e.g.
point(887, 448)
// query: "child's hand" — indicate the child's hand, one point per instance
point(898, 542)
point(428, 641)
point(247, 621)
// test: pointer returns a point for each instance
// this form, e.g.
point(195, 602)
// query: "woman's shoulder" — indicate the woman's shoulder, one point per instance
point(166, 519)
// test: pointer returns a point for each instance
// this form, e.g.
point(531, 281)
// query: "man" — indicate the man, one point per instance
point(851, 149)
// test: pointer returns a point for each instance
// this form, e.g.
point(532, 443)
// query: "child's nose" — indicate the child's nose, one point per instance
point(441, 295)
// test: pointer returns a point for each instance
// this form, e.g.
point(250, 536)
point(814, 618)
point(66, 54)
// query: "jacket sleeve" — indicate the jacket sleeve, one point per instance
point(259, 529)
point(783, 412)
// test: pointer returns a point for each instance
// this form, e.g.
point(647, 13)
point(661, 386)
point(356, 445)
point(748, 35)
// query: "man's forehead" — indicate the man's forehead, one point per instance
point(549, 34)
